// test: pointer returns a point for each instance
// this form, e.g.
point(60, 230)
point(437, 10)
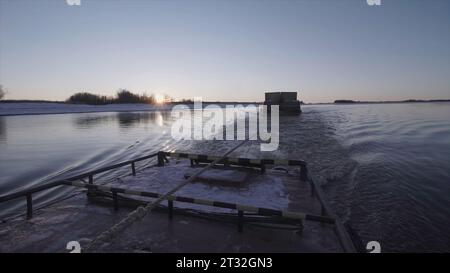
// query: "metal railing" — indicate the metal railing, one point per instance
point(205, 202)
point(28, 193)
point(327, 215)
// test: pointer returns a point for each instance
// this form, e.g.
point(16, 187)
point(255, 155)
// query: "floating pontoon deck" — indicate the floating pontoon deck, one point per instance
point(238, 205)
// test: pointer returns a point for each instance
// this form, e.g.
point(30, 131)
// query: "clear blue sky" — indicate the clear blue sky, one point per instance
point(227, 50)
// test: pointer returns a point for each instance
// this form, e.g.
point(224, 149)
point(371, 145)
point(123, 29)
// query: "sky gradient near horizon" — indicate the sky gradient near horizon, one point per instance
point(227, 50)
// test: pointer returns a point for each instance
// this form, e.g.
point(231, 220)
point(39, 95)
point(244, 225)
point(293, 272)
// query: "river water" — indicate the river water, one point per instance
point(385, 168)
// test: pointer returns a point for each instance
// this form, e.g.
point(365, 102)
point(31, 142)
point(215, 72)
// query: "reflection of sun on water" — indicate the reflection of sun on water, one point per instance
point(159, 99)
point(159, 119)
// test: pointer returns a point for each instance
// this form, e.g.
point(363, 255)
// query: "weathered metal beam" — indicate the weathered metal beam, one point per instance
point(133, 168)
point(29, 206)
point(240, 221)
point(22, 193)
point(115, 200)
point(344, 238)
point(170, 206)
point(219, 204)
point(53, 184)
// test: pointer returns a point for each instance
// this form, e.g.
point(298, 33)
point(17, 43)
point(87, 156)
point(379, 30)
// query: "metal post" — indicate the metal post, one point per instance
point(170, 206)
point(115, 200)
point(160, 159)
point(303, 173)
point(240, 220)
point(133, 168)
point(300, 228)
point(29, 206)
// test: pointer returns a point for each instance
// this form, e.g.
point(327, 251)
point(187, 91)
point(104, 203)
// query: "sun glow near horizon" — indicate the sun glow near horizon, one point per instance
point(159, 99)
point(226, 51)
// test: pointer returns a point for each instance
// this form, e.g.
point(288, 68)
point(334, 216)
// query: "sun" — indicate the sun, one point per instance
point(159, 99)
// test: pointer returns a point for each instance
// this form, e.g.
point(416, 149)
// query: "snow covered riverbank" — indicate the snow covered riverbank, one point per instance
point(41, 108)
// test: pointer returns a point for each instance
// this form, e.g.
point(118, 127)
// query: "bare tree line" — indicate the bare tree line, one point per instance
point(2, 92)
point(122, 96)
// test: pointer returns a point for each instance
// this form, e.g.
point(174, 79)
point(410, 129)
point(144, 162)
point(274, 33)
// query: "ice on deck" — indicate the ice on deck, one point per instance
point(79, 218)
point(233, 186)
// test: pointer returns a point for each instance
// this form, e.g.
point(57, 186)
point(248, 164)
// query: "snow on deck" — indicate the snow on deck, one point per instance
point(258, 190)
point(79, 219)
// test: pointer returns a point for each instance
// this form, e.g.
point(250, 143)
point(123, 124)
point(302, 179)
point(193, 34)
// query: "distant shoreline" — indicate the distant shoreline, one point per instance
point(137, 103)
point(337, 102)
point(373, 102)
point(29, 107)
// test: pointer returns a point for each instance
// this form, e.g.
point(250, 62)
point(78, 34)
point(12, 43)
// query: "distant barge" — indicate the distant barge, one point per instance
point(306, 225)
point(287, 102)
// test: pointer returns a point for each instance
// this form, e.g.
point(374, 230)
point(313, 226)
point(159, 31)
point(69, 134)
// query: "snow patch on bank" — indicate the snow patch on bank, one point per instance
point(32, 108)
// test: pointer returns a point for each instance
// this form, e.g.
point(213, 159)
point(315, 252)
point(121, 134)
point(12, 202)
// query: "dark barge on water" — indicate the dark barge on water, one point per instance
point(287, 101)
point(184, 223)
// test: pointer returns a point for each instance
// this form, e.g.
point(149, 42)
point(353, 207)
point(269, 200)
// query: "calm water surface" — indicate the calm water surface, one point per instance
point(390, 175)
